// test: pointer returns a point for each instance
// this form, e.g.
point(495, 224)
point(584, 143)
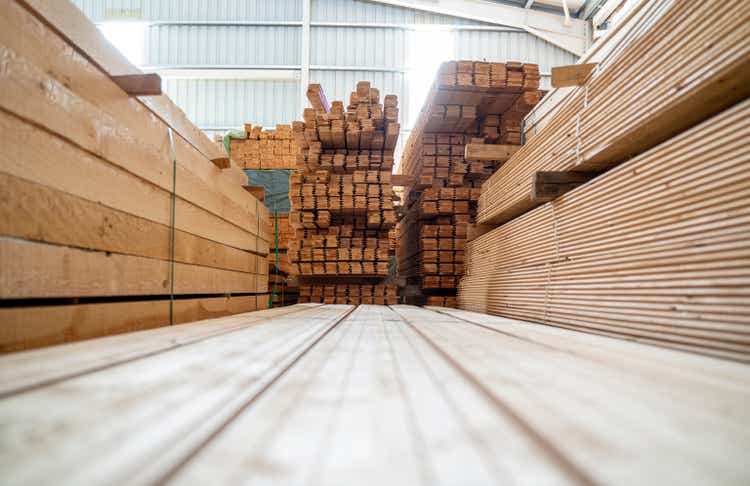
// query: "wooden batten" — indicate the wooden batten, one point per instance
point(147, 84)
point(222, 162)
point(574, 75)
point(259, 192)
point(482, 152)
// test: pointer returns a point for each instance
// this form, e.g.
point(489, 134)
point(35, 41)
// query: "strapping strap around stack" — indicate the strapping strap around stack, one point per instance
point(173, 201)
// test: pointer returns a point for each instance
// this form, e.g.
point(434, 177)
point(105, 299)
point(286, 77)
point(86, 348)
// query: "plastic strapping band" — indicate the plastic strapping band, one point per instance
point(170, 137)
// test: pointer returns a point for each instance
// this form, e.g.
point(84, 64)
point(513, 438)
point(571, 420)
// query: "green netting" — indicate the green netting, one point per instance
point(235, 134)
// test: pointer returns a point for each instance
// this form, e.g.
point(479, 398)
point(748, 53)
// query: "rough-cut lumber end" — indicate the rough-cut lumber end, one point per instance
point(574, 75)
point(546, 186)
point(484, 152)
point(147, 84)
point(403, 180)
point(222, 162)
point(317, 98)
point(258, 191)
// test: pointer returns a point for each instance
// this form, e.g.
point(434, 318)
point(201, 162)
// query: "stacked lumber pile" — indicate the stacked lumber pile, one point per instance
point(349, 293)
point(282, 276)
point(265, 149)
point(656, 249)
point(470, 124)
point(111, 203)
point(342, 197)
point(660, 77)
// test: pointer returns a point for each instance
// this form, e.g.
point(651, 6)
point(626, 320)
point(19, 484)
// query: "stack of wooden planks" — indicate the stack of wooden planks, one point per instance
point(656, 249)
point(282, 275)
point(342, 197)
point(265, 149)
point(111, 203)
point(370, 396)
point(470, 124)
point(678, 64)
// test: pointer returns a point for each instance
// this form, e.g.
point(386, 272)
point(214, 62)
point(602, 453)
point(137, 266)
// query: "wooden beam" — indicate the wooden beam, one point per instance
point(37, 212)
point(147, 84)
point(228, 372)
point(258, 191)
point(484, 152)
point(34, 270)
point(317, 98)
point(222, 162)
point(403, 180)
point(573, 75)
point(546, 186)
point(83, 357)
point(45, 325)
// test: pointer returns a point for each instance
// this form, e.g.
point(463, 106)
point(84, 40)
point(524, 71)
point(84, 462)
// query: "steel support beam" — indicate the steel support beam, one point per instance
point(305, 71)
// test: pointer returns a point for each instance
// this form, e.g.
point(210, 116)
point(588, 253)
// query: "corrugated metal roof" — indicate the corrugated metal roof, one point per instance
point(229, 45)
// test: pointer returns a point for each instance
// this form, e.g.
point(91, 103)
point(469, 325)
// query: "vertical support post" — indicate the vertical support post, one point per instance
point(305, 71)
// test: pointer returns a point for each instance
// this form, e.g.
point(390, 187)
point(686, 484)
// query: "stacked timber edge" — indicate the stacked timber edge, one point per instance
point(470, 124)
point(655, 247)
point(265, 149)
point(269, 157)
point(110, 203)
point(342, 198)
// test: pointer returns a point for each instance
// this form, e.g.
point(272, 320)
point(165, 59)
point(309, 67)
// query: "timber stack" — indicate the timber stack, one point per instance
point(636, 226)
point(265, 149)
point(470, 124)
point(342, 198)
point(264, 152)
point(117, 213)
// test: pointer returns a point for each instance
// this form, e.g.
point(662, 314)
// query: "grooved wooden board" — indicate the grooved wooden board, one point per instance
point(375, 395)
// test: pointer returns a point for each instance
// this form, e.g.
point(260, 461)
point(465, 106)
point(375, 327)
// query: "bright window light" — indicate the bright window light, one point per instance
point(128, 37)
point(429, 47)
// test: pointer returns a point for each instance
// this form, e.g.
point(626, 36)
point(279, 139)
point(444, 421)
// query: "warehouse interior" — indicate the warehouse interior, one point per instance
point(336, 242)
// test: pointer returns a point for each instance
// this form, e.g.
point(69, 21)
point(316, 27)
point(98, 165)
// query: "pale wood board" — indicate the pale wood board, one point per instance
point(401, 395)
point(28, 327)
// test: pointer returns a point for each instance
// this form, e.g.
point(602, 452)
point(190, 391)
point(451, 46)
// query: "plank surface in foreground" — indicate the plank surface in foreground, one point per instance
point(370, 395)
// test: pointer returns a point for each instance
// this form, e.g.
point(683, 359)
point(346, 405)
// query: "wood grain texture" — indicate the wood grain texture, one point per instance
point(29, 327)
point(400, 395)
point(674, 71)
point(655, 249)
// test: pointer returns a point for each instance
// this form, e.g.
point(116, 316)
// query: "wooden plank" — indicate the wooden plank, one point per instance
point(573, 75)
point(36, 212)
point(69, 22)
point(38, 326)
point(482, 152)
point(259, 192)
point(37, 368)
point(33, 270)
point(34, 155)
point(597, 411)
point(222, 162)
point(403, 180)
point(147, 84)
point(186, 395)
point(317, 98)
point(390, 416)
point(101, 103)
